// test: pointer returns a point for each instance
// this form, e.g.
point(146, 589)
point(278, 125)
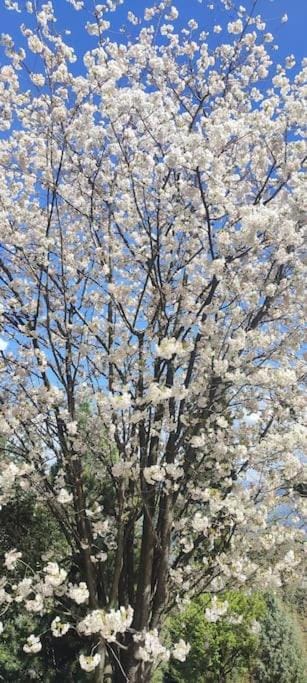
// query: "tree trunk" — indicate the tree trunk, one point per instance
point(134, 675)
point(131, 670)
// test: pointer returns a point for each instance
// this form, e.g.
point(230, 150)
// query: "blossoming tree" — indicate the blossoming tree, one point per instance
point(151, 206)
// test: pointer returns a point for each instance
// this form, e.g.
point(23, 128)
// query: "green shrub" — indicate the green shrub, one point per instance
point(219, 650)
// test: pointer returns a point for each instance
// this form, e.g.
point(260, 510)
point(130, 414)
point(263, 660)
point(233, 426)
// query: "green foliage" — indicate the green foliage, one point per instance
point(31, 527)
point(14, 665)
point(217, 649)
point(280, 657)
point(57, 662)
point(227, 652)
point(295, 597)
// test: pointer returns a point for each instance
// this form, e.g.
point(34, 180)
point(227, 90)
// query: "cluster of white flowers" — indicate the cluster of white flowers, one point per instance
point(255, 627)
point(77, 4)
point(12, 475)
point(126, 469)
point(157, 393)
point(198, 441)
point(172, 13)
point(64, 497)
point(162, 473)
point(36, 604)
point(11, 558)
point(55, 575)
point(108, 624)
point(38, 79)
point(35, 44)
point(72, 428)
point(59, 628)
point(89, 663)
point(169, 347)
point(216, 610)
point(33, 645)
point(151, 648)
point(132, 18)
point(154, 474)
point(235, 620)
point(235, 26)
point(79, 593)
point(121, 402)
point(181, 650)
point(200, 523)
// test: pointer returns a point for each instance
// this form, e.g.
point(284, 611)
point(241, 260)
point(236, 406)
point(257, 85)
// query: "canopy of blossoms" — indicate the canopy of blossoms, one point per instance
point(151, 293)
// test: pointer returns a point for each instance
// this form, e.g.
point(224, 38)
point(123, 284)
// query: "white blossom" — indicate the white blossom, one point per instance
point(72, 428)
point(54, 574)
point(124, 469)
point(169, 347)
point(173, 13)
point(154, 474)
point(157, 394)
point(108, 624)
point(79, 593)
point(36, 604)
point(121, 402)
point(216, 610)
point(59, 628)
point(235, 26)
point(200, 523)
point(89, 663)
point(151, 649)
point(11, 558)
point(192, 24)
point(64, 497)
point(33, 645)
point(35, 44)
point(255, 627)
point(181, 650)
point(38, 79)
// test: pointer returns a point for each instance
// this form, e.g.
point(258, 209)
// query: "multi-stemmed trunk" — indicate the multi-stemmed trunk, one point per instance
point(128, 670)
point(135, 673)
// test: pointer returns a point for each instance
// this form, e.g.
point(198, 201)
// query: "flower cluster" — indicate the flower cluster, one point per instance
point(107, 624)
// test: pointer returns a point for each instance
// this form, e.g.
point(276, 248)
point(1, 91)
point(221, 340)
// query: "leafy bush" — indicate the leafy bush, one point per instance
point(218, 649)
